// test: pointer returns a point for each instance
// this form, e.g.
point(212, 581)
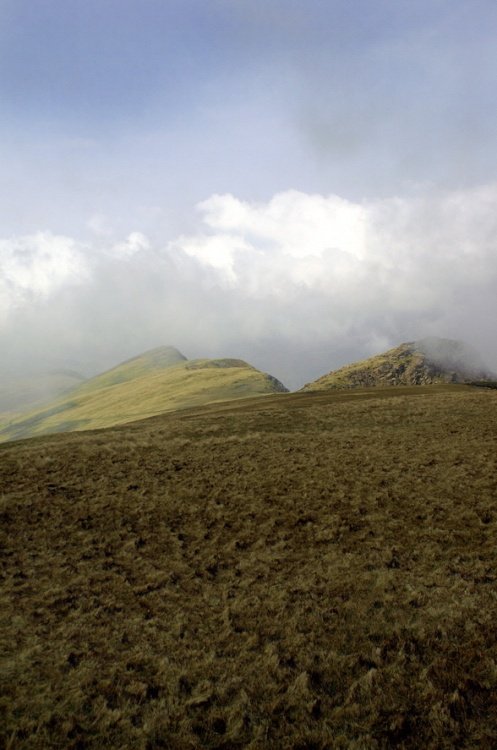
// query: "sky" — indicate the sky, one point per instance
point(299, 183)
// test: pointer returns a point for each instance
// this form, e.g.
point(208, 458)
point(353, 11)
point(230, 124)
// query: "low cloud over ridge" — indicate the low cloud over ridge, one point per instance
point(298, 284)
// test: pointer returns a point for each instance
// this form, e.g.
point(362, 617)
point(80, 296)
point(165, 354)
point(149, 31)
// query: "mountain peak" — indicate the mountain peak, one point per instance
point(161, 356)
point(423, 362)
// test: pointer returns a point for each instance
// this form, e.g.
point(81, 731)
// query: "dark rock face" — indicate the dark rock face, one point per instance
point(277, 385)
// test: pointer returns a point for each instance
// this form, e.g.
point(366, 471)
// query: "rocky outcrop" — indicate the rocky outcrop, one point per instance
point(421, 362)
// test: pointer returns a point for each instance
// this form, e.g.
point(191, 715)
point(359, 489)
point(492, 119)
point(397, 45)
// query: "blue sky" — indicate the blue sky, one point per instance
point(120, 117)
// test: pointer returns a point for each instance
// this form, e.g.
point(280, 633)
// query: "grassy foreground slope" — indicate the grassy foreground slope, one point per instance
point(158, 381)
point(302, 571)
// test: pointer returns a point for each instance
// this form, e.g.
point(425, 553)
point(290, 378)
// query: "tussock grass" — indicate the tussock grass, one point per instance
point(301, 571)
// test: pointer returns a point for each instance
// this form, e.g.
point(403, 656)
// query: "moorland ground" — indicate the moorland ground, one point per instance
point(294, 571)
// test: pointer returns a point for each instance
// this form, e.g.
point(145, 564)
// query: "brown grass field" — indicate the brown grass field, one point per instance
point(301, 571)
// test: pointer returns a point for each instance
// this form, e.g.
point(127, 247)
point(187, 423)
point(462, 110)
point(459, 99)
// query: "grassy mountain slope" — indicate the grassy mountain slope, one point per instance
point(414, 363)
point(153, 383)
point(313, 570)
point(154, 360)
point(19, 395)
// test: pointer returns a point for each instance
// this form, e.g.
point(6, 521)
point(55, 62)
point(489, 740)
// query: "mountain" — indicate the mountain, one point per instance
point(151, 361)
point(157, 381)
point(423, 362)
point(19, 395)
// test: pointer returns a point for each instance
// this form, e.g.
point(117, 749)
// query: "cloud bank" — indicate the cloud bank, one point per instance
point(298, 285)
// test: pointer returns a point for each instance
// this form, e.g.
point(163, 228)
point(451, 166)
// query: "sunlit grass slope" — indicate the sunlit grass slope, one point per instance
point(144, 364)
point(311, 571)
point(153, 383)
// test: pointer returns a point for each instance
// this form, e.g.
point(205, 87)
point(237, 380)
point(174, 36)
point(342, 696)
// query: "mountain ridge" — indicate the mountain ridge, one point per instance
point(163, 379)
point(151, 383)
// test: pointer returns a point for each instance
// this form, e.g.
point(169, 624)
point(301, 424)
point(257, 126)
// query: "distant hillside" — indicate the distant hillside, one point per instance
point(19, 393)
point(144, 364)
point(431, 360)
point(158, 381)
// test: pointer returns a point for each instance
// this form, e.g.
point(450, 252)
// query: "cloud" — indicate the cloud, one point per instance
point(300, 224)
point(402, 255)
point(219, 252)
point(134, 243)
point(298, 284)
point(36, 266)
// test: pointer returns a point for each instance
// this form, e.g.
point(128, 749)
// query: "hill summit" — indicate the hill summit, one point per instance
point(424, 362)
point(149, 362)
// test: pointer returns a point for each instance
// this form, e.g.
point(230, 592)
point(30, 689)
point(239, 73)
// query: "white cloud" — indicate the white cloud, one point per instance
point(133, 244)
point(300, 272)
point(301, 225)
point(410, 253)
point(36, 266)
point(220, 252)
point(333, 270)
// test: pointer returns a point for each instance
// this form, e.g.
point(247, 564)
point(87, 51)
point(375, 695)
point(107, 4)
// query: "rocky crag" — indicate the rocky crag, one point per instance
point(424, 362)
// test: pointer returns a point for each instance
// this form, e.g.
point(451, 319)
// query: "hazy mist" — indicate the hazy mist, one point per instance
point(299, 185)
point(297, 285)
